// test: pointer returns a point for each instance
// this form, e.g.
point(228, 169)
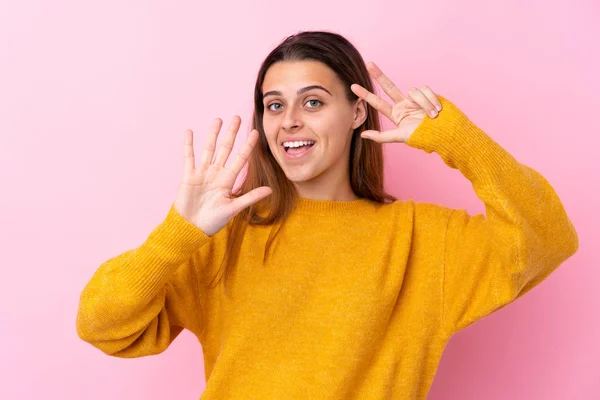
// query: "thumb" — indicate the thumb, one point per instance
point(253, 196)
point(390, 136)
point(373, 135)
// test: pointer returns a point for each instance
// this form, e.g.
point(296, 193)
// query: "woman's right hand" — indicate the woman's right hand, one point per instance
point(205, 197)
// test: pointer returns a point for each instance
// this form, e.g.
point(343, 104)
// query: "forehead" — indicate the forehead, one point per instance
point(291, 75)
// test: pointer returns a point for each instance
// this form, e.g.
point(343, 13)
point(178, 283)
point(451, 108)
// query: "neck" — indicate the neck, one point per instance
point(326, 189)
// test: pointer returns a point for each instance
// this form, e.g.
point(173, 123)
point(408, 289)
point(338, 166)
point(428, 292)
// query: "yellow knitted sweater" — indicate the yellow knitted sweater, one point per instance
point(356, 300)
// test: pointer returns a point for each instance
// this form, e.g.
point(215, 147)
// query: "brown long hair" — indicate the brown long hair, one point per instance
point(366, 156)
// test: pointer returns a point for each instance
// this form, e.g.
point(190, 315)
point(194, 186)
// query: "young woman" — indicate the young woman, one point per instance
point(310, 281)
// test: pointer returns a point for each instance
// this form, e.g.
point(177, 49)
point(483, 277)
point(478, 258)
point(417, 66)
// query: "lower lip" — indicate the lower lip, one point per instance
point(305, 151)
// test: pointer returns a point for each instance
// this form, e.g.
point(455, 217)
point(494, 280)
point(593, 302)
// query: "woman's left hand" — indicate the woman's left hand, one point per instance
point(406, 112)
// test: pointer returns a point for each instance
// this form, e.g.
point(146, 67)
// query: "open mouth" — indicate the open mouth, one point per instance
point(298, 148)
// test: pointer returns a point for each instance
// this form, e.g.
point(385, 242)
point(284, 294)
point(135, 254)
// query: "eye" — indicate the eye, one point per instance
point(273, 104)
point(313, 104)
point(313, 100)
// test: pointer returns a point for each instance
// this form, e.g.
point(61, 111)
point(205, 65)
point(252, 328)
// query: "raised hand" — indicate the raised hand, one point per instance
point(406, 113)
point(205, 197)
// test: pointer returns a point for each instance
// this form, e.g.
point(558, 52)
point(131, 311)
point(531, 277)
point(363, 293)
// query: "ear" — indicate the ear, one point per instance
point(360, 113)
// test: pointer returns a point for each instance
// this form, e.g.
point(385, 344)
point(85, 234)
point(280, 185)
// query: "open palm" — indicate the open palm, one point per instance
point(205, 195)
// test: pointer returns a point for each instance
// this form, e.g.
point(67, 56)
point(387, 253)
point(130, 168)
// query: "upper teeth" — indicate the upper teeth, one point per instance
point(298, 143)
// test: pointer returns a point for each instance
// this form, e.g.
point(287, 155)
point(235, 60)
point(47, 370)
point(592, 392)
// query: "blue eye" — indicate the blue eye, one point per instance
point(318, 101)
point(273, 104)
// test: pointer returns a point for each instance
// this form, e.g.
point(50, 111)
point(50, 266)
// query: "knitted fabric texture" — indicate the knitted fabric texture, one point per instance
point(356, 300)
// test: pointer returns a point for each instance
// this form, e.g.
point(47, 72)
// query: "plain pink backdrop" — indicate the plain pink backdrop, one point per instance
point(94, 99)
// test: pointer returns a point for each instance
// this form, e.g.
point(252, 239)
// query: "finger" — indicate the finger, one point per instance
point(228, 141)
point(379, 137)
point(244, 154)
point(386, 84)
point(377, 102)
point(369, 134)
point(188, 149)
point(211, 142)
point(253, 196)
point(432, 97)
point(419, 97)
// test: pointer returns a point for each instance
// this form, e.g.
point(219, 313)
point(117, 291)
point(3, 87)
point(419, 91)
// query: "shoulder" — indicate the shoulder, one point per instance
point(426, 218)
point(419, 210)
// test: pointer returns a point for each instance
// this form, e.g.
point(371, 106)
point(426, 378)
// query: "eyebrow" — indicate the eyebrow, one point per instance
point(300, 91)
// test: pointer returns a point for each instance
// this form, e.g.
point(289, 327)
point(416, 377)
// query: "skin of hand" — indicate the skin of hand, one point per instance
point(204, 197)
point(406, 113)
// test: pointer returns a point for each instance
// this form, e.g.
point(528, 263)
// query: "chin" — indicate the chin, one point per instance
point(300, 177)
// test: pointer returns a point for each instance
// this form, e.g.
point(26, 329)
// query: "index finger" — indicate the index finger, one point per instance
point(244, 154)
point(386, 84)
point(377, 102)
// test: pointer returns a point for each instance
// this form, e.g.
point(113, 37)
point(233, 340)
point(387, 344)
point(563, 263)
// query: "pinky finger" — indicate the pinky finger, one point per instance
point(188, 145)
point(419, 97)
point(432, 97)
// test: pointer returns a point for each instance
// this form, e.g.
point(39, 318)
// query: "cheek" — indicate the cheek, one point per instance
point(338, 138)
point(270, 133)
point(266, 123)
point(340, 143)
point(336, 123)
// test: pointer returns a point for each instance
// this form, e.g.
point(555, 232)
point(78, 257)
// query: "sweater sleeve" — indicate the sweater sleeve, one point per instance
point(138, 302)
point(493, 259)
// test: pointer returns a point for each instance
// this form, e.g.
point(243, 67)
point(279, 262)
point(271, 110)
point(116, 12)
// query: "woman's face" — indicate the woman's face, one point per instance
point(308, 121)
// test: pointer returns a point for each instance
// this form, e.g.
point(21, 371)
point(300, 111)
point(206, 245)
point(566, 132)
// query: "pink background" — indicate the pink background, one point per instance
point(94, 99)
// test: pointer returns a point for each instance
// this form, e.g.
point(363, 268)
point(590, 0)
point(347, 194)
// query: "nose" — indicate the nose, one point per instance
point(291, 119)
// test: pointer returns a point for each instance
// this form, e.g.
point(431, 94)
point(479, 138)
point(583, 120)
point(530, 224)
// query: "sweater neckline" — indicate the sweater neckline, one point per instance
point(309, 206)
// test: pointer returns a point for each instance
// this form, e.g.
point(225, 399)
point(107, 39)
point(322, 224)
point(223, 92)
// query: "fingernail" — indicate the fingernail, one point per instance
point(433, 113)
point(439, 108)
